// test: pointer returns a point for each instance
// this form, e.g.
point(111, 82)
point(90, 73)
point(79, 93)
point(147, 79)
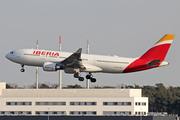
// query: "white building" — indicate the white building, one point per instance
point(72, 101)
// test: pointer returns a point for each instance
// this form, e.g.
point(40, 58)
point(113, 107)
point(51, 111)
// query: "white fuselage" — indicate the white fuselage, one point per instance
point(77, 62)
point(93, 63)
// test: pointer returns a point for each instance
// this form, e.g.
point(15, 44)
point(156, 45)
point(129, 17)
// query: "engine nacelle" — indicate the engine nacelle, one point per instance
point(51, 66)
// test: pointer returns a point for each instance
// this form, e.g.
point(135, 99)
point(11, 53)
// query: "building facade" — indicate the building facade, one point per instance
point(72, 101)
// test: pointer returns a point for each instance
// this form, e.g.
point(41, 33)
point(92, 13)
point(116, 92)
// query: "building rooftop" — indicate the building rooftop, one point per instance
point(68, 92)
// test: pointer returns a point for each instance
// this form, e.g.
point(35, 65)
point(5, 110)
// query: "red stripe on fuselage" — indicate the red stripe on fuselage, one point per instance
point(156, 52)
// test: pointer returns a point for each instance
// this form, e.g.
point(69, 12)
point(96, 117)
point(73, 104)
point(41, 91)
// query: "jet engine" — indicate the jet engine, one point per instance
point(51, 66)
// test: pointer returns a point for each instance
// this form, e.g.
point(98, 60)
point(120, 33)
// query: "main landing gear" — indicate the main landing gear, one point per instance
point(78, 75)
point(22, 70)
point(90, 76)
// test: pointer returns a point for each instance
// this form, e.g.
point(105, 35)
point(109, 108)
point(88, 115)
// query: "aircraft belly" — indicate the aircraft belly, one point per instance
point(32, 61)
point(91, 68)
point(112, 68)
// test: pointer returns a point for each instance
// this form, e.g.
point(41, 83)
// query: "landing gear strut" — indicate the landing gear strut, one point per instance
point(90, 76)
point(22, 70)
point(77, 75)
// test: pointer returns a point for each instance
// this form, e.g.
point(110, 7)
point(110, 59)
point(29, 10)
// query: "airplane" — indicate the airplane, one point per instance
point(76, 62)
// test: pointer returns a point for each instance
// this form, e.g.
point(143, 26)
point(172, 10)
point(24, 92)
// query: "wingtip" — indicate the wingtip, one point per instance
point(79, 50)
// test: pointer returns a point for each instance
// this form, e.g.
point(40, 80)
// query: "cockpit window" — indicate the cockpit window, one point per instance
point(11, 52)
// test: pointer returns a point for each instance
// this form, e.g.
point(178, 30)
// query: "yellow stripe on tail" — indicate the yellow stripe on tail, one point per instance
point(166, 38)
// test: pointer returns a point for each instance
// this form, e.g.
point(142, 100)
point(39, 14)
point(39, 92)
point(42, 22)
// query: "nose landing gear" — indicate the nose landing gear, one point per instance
point(22, 70)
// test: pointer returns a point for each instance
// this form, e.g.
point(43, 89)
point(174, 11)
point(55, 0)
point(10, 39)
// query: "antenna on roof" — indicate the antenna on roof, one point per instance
point(60, 71)
point(87, 81)
point(37, 68)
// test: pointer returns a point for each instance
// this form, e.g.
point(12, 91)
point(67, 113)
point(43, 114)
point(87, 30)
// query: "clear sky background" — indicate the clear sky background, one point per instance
point(125, 28)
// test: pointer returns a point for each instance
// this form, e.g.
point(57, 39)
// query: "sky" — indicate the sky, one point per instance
point(125, 28)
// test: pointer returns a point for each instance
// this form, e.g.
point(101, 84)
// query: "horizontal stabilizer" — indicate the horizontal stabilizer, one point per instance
point(153, 63)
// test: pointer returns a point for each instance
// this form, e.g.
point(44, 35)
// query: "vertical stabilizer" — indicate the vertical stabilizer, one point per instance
point(154, 57)
point(160, 49)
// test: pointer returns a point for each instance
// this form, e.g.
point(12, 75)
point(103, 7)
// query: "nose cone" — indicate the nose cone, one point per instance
point(7, 56)
point(11, 56)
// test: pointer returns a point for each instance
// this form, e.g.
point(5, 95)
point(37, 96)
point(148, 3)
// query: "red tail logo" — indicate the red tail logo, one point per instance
point(153, 57)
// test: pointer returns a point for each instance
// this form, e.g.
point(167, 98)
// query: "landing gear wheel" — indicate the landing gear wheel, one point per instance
point(81, 79)
point(93, 80)
point(76, 75)
point(22, 70)
point(88, 77)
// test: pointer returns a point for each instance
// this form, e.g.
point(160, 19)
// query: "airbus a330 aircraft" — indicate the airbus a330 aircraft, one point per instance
point(75, 63)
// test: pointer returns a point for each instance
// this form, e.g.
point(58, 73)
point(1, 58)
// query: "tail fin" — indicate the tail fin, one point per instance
point(160, 49)
point(154, 57)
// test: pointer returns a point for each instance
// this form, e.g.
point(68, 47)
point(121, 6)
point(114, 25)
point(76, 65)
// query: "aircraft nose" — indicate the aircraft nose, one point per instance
point(7, 56)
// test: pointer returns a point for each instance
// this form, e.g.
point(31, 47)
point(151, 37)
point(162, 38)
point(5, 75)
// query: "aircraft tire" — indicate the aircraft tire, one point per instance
point(93, 80)
point(81, 79)
point(22, 70)
point(88, 77)
point(76, 75)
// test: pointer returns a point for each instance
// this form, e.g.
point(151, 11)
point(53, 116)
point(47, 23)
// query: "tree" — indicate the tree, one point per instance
point(44, 86)
point(173, 100)
point(105, 87)
point(161, 98)
point(12, 85)
point(55, 86)
point(176, 106)
point(149, 91)
point(97, 87)
point(8, 86)
point(130, 86)
point(137, 86)
point(75, 86)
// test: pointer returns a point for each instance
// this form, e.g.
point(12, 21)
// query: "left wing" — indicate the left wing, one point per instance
point(74, 61)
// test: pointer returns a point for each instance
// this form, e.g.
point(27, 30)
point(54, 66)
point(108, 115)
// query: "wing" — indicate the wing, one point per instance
point(73, 61)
